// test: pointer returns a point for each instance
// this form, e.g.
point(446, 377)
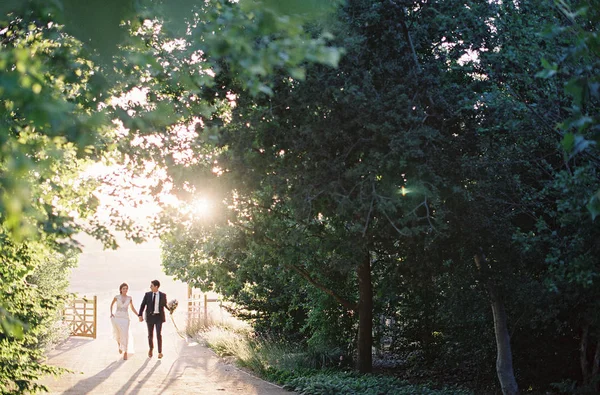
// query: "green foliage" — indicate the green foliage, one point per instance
point(579, 63)
point(350, 384)
point(34, 282)
point(320, 173)
point(295, 369)
point(269, 358)
point(409, 154)
point(103, 26)
point(45, 123)
point(48, 123)
point(318, 188)
point(64, 66)
point(10, 326)
point(56, 101)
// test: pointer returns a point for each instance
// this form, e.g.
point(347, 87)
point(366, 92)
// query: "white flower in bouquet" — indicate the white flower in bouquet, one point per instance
point(172, 305)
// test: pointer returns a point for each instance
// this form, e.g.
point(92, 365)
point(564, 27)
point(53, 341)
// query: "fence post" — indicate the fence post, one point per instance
point(83, 325)
point(205, 311)
point(95, 315)
point(190, 302)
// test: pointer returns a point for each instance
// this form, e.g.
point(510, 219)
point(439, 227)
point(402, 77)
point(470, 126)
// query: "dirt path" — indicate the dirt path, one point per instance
point(187, 367)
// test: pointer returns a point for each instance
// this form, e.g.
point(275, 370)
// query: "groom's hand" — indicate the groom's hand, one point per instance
point(141, 319)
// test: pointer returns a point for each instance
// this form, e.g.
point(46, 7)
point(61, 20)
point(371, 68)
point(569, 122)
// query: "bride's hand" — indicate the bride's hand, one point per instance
point(111, 315)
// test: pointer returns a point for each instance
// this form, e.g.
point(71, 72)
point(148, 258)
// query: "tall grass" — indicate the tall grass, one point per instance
point(298, 370)
point(233, 339)
point(196, 326)
point(256, 354)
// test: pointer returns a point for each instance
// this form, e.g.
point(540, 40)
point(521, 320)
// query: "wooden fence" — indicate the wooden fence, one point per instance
point(198, 305)
point(81, 316)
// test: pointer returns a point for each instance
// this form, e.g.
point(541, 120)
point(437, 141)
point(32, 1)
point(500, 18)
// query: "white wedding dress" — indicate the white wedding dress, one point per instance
point(120, 324)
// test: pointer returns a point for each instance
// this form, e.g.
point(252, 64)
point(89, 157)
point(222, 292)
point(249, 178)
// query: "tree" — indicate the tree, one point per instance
point(440, 99)
point(324, 155)
point(60, 113)
point(572, 239)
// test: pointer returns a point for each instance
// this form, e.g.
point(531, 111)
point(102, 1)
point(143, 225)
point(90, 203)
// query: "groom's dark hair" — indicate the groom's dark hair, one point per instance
point(156, 283)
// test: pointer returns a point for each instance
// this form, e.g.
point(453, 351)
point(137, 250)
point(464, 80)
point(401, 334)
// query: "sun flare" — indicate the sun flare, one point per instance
point(201, 207)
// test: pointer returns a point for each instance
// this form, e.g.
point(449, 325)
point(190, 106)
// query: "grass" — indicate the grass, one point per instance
point(217, 318)
point(267, 359)
point(295, 369)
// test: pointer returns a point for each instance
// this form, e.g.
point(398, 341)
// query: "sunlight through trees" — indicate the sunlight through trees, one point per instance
point(402, 185)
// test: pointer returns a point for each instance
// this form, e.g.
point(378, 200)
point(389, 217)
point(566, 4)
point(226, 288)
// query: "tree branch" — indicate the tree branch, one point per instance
point(304, 274)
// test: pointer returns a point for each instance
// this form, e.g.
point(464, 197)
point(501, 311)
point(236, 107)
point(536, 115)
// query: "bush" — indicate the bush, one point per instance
point(295, 369)
point(341, 383)
point(33, 288)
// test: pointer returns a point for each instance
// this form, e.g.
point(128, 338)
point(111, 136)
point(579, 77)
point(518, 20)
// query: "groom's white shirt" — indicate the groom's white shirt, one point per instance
point(156, 301)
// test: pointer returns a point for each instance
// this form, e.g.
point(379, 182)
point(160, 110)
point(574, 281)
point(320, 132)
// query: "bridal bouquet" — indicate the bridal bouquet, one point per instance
point(172, 305)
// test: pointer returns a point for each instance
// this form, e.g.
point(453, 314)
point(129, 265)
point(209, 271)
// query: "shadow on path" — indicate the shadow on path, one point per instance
point(182, 363)
point(134, 376)
point(70, 344)
point(87, 386)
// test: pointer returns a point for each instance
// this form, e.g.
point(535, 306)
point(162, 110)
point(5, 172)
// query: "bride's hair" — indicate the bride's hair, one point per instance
point(123, 285)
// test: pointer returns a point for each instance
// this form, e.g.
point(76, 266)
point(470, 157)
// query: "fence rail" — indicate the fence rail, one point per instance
point(198, 305)
point(81, 316)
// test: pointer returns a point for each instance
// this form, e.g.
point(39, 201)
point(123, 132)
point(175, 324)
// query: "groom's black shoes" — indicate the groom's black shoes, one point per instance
point(150, 354)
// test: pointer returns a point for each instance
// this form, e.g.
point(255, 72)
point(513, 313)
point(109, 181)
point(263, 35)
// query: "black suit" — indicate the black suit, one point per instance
point(154, 320)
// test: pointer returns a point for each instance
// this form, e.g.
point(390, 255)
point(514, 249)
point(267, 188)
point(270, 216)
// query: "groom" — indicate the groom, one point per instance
point(155, 302)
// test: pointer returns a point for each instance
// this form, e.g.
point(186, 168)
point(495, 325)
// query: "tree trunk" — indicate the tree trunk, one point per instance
point(504, 365)
point(583, 360)
point(365, 316)
point(596, 366)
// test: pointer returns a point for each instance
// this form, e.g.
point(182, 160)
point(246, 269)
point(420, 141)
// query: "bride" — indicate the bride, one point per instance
point(120, 320)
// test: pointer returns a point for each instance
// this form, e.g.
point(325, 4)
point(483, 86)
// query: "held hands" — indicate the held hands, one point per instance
point(141, 319)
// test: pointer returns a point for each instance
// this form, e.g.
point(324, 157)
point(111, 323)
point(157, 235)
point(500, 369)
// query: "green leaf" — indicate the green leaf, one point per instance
point(329, 56)
point(546, 73)
point(582, 122)
point(265, 89)
point(298, 73)
point(594, 205)
point(594, 88)
point(11, 326)
point(581, 144)
point(98, 23)
point(576, 89)
point(550, 69)
point(568, 142)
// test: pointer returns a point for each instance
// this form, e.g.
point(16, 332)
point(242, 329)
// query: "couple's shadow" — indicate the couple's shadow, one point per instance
point(87, 386)
point(134, 376)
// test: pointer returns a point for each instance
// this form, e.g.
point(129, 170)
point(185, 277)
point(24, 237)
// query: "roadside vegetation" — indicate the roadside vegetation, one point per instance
point(387, 191)
point(431, 202)
point(298, 370)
